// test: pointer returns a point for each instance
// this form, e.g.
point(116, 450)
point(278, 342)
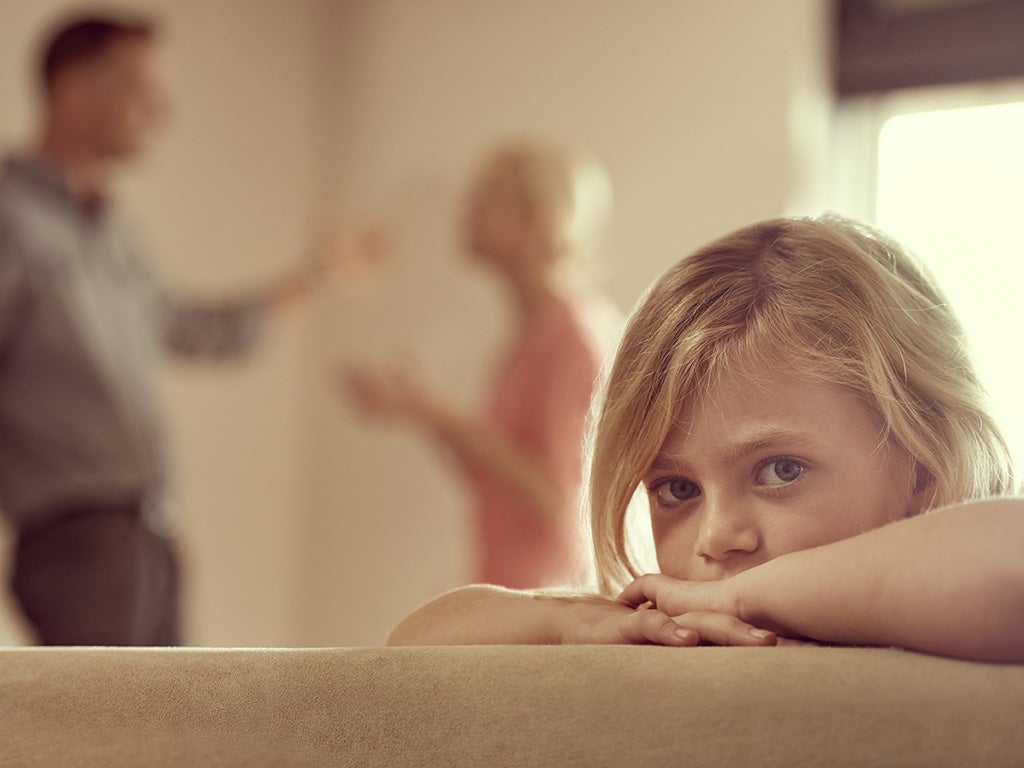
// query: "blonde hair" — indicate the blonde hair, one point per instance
point(572, 190)
point(828, 297)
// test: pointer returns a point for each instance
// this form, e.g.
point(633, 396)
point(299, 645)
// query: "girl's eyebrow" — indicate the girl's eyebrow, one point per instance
point(774, 439)
point(766, 440)
point(665, 462)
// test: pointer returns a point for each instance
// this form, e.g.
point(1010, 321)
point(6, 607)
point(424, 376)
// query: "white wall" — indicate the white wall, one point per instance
point(303, 525)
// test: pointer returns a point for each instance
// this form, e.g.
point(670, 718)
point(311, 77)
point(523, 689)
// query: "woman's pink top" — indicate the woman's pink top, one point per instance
point(540, 401)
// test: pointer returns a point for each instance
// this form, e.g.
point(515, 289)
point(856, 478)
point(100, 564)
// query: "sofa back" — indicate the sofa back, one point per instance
point(506, 706)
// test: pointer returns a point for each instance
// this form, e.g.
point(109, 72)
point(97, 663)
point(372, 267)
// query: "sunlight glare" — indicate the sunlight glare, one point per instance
point(951, 187)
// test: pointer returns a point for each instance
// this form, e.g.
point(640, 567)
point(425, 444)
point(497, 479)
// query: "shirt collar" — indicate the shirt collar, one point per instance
point(50, 180)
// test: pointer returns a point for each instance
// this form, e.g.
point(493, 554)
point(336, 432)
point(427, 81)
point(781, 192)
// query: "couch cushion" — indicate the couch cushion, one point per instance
point(497, 705)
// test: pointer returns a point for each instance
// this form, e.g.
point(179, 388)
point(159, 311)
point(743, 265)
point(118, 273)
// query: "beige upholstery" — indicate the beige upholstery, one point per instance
point(519, 706)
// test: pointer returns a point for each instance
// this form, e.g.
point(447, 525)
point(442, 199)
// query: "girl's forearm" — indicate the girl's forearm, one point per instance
point(950, 582)
point(481, 615)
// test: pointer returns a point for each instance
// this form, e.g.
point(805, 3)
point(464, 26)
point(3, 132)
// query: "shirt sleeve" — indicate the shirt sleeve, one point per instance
point(13, 293)
point(192, 328)
point(210, 330)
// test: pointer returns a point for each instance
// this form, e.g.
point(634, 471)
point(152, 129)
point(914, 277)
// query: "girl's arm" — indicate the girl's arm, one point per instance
point(949, 582)
point(485, 615)
point(480, 615)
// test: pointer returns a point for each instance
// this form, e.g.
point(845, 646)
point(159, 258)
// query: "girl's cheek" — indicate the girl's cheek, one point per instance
point(674, 545)
point(814, 528)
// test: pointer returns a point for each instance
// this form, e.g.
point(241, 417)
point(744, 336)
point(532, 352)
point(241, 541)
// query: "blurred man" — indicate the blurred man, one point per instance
point(82, 470)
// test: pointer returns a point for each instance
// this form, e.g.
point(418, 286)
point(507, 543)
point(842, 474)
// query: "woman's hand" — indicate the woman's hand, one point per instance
point(394, 393)
point(377, 394)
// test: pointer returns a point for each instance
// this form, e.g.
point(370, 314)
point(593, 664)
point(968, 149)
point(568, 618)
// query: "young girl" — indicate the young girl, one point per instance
point(797, 402)
point(530, 209)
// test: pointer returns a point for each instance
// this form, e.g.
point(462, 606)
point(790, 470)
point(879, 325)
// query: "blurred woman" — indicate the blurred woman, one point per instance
point(530, 210)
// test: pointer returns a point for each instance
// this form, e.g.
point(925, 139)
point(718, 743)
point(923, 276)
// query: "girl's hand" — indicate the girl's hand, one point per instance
point(601, 621)
point(710, 609)
point(676, 597)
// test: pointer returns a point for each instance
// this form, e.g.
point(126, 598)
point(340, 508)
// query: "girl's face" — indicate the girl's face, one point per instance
point(770, 467)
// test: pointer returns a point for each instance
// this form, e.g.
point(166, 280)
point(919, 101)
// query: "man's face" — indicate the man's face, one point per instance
point(115, 102)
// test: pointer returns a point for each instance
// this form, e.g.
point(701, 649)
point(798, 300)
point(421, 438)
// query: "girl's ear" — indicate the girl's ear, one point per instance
point(923, 494)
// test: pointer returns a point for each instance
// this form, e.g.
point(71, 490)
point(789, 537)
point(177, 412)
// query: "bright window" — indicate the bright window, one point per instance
point(950, 186)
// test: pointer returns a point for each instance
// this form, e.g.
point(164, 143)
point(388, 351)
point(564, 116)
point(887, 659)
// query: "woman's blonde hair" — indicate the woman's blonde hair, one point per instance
point(571, 189)
point(829, 298)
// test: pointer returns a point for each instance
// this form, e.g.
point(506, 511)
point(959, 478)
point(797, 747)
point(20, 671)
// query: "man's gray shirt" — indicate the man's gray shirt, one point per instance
point(81, 325)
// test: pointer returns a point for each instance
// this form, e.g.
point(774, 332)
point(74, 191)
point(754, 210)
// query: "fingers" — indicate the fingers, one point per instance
point(358, 383)
point(368, 391)
point(697, 627)
point(352, 256)
point(689, 604)
point(656, 588)
point(602, 621)
point(405, 381)
point(642, 590)
point(722, 629)
point(376, 245)
point(677, 596)
point(654, 627)
point(353, 382)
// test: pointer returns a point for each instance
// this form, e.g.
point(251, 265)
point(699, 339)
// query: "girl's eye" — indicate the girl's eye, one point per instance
point(674, 491)
point(779, 472)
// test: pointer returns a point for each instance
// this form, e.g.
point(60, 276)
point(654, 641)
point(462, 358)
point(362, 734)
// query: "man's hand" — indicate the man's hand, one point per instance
point(338, 256)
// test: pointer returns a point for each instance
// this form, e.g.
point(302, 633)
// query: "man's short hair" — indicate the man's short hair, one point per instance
point(86, 37)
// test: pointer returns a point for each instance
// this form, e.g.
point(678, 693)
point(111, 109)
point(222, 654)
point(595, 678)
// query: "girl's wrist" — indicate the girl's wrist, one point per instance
point(556, 619)
point(574, 618)
point(744, 595)
point(559, 617)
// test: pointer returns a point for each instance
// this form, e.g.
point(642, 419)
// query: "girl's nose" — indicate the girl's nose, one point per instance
point(726, 530)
